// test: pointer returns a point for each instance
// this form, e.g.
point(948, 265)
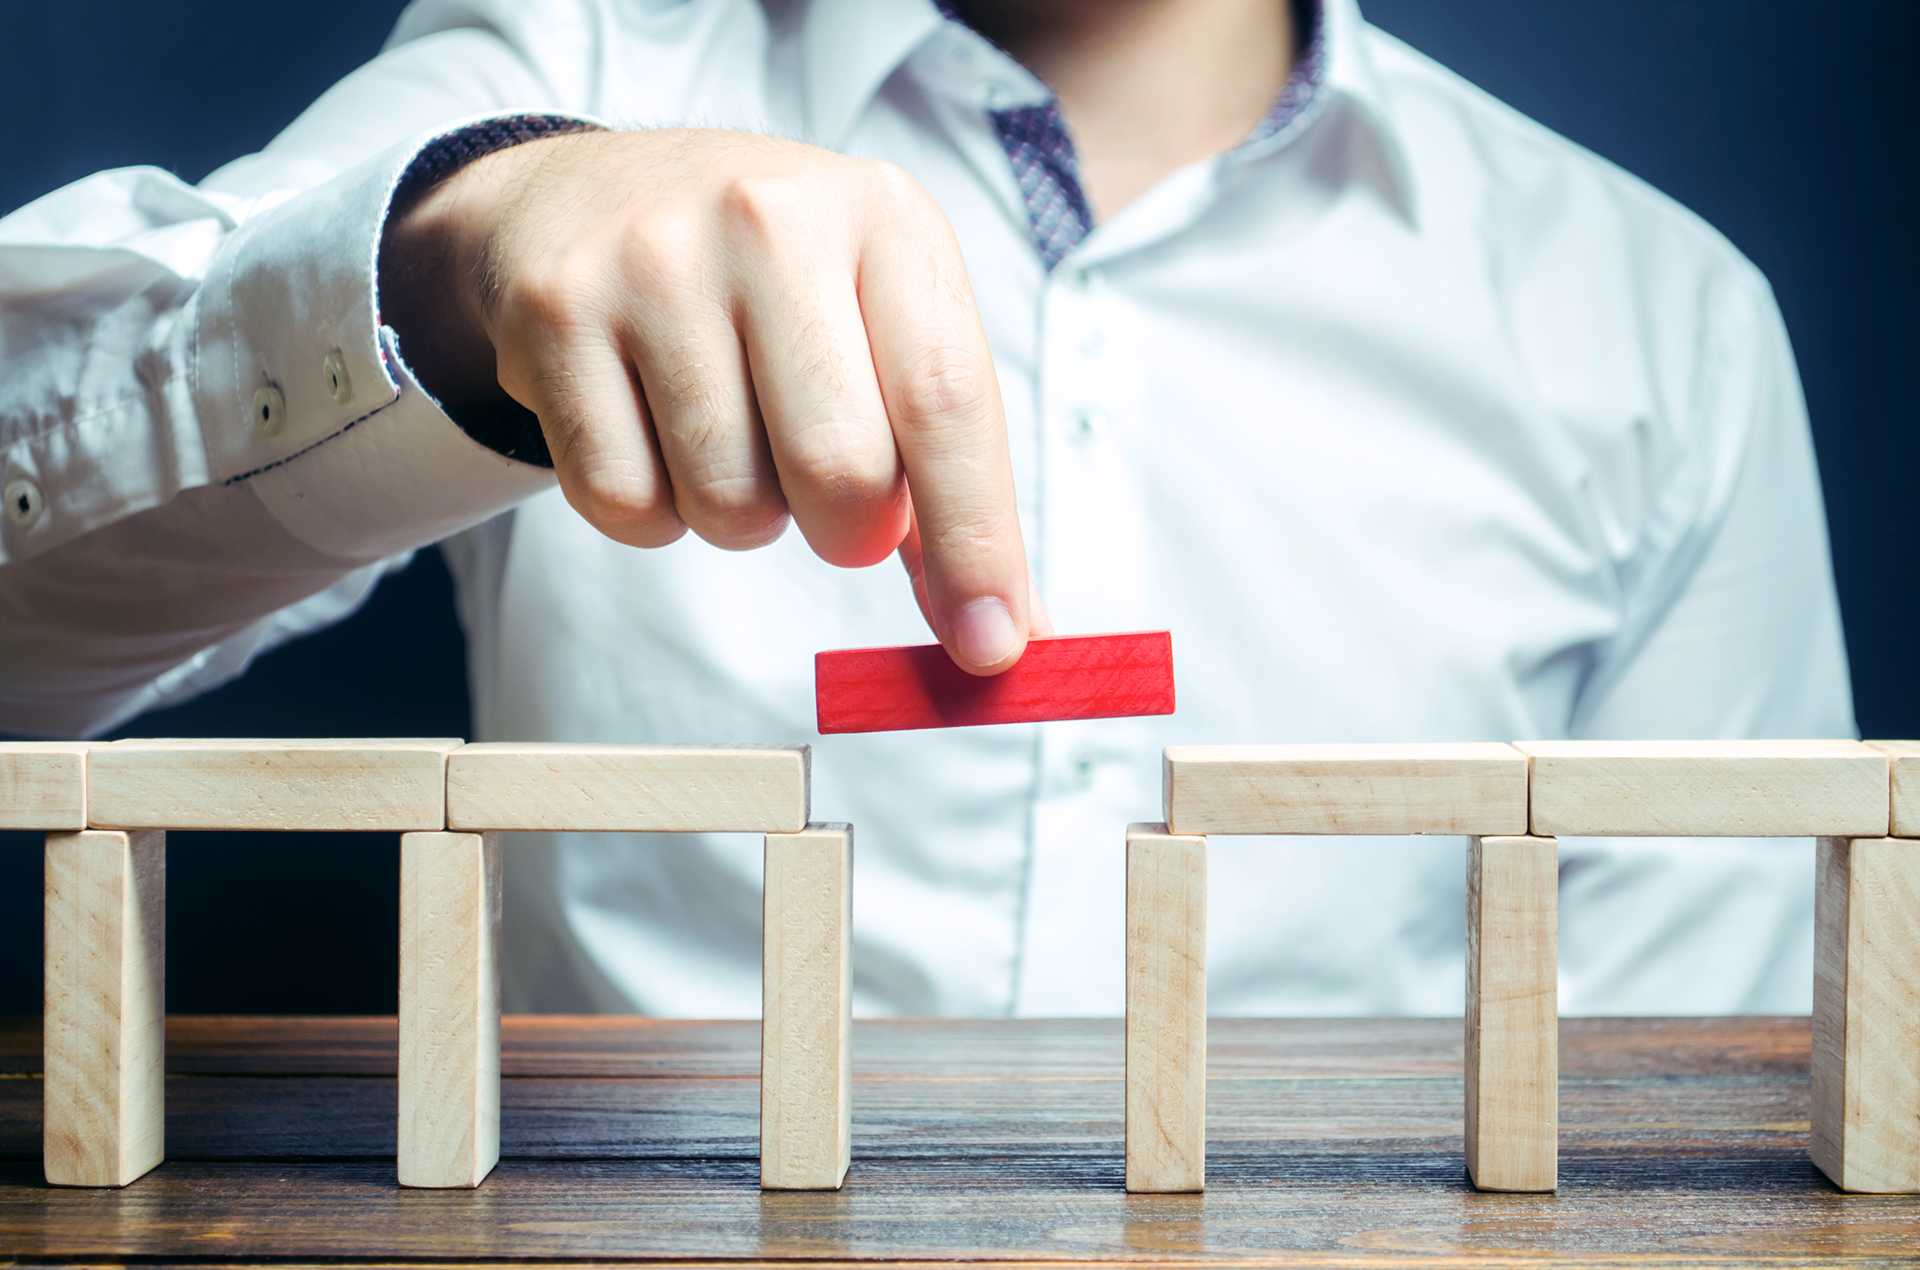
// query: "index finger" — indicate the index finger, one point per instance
point(943, 401)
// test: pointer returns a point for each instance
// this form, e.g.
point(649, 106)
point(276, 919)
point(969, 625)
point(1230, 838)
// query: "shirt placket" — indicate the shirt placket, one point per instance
point(1086, 514)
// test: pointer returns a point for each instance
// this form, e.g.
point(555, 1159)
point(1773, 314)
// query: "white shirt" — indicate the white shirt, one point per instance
point(1414, 422)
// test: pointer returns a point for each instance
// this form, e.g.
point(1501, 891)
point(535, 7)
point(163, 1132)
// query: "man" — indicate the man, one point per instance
point(1412, 421)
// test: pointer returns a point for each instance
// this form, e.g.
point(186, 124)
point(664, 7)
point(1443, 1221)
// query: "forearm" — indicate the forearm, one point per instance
point(145, 323)
point(157, 607)
point(434, 266)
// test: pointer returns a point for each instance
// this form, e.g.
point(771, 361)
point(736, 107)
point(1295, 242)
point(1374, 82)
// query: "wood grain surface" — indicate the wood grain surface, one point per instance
point(1904, 757)
point(1512, 1060)
point(449, 1112)
point(547, 786)
point(43, 784)
point(1708, 789)
point(1866, 1013)
point(806, 995)
point(1683, 1143)
point(105, 993)
point(1472, 787)
point(1166, 1125)
point(388, 783)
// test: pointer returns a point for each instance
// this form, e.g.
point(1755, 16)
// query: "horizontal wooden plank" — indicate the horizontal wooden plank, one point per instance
point(43, 785)
point(1905, 759)
point(1708, 789)
point(557, 787)
point(1067, 677)
point(369, 785)
point(1473, 787)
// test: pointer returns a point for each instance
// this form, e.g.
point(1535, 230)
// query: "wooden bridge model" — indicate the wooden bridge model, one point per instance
point(105, 809)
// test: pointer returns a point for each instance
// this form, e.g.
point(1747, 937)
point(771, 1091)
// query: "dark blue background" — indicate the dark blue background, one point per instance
point(1780, 123)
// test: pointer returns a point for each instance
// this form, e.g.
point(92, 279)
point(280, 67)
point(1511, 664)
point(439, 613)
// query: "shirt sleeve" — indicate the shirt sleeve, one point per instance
point(210, 441)
point(1735, 633)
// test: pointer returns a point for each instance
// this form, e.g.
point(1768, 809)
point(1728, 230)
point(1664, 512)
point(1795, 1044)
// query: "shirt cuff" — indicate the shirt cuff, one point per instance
point(302, 392)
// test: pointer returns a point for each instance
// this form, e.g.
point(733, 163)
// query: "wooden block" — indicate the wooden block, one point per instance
point(1866, 1014)
point(1073, 677)
point(1166, 1010)
point(562, 787)
point(43, 785)
point(106, 1006)
point(1513, 1029)
point(1707, 789)
point(806, 1030)
point(1477, 787)
point(449, 1008)
point(352, 785)
point(1905, 758)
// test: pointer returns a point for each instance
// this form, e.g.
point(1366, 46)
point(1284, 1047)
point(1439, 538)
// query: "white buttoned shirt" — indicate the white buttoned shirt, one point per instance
point(1413, 422)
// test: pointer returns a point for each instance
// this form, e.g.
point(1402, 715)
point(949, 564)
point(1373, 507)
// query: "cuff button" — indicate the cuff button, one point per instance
point(334, 371)
point(269, 411)
point(24, 503)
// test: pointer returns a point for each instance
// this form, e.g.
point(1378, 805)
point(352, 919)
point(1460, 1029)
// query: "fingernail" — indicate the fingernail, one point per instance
point(983, 632)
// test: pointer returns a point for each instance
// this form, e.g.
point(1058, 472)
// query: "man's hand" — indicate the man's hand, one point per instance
point(718, 331)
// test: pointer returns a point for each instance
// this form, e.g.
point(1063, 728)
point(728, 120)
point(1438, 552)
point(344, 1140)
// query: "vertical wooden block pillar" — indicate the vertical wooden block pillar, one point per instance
point(1866, 1014)
point(106, 1006)
point(806, 1030)
point(1513, 1007)
point(449, 1008)
point(1166, 1010)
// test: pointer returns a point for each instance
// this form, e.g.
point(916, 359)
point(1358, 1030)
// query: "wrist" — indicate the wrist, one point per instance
point(433, 264)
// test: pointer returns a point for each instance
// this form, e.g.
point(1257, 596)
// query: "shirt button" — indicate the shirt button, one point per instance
point(1086, 427)
point(269, 411)
point(1083, 768)
point(24, 503)
point(1083, 280)
point(334, 371)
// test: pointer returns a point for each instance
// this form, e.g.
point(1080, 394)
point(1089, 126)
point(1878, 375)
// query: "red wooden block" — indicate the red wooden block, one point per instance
point(1074, 677)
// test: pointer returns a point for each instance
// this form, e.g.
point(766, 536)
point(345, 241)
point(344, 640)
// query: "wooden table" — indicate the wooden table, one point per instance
point(1684, 1142)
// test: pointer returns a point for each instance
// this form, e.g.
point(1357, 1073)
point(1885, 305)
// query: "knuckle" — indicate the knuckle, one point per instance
point(624, 505)
point(947, 386)
point(761, 205)
point(661, 252)
point(734, 512)
point(965, 539)
point(844, 467)
point(551, 294)
point(892, 185)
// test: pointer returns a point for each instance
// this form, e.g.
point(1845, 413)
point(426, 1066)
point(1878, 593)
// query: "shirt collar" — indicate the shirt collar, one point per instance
point(1353, 83)
point(850, 48)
